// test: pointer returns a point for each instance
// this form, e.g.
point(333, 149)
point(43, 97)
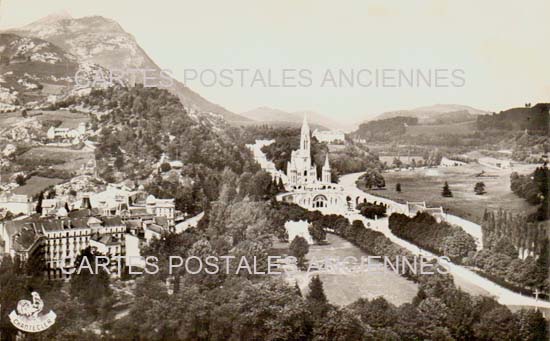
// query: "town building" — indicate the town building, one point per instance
point(329, 136)
point(66, 133)
point(57, 242)
point(16, 203)
point(118, 200)
point(415, 207)
point(445, 162)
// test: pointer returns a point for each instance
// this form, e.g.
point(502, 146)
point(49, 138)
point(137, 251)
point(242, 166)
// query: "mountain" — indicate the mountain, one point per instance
point(32, 69)
point(98, 40)
point(292, 119)
point(437, 114)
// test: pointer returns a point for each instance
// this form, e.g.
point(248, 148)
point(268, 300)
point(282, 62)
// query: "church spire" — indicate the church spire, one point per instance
point(326, 173)
point(305, 139)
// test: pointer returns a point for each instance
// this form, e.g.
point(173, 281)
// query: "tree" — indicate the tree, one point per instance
point(165, 167)
point(398, 187)
point(479, 188)
point(372, 179)
point(377, 313)
point(496, 324)
point(317, 232)
point(39, 203)
point(51, 194)
point(119, 162)
point(316, 292)
point(340, 325)
point(371, 210)
point(20, 180)
point(91, 289)
point(299, 249)
point(532, 325)
point(397, 162)
point(458, 245)
point(316, 298)
point(280, 186)
point(446, 191)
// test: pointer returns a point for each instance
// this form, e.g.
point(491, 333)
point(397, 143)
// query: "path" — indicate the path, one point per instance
point(503, 295)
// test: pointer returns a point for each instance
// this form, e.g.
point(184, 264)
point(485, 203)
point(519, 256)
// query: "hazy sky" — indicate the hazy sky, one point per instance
point(502, 46)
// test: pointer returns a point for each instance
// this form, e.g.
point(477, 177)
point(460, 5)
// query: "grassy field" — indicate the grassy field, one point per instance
point(426, 185)
point(74, 158)
point(68, 119)
point(344, 288)
point(463, 128)
point(37, 184)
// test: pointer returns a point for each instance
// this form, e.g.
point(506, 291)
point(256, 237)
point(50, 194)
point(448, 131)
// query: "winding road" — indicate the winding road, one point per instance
point(503, 295)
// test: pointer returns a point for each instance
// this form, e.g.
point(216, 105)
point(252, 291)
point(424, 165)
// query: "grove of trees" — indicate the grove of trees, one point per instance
point(441, 238)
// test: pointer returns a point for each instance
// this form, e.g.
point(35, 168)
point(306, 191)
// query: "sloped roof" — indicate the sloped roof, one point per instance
point(84, 213)
point(162, 221)
point(23, 234)
point(106, 240)
point(112, 221)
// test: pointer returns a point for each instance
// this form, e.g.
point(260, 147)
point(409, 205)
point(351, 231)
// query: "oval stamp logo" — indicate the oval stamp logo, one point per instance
point(28, 318)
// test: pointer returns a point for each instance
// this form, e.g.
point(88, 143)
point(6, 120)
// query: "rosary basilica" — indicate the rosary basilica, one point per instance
point(301, 172)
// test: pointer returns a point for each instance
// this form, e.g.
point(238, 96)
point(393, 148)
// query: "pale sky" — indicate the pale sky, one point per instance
point(502, 46)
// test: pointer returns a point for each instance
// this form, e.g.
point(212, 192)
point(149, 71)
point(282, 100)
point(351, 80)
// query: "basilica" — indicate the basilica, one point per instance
point(301, 172)
point(304, 186)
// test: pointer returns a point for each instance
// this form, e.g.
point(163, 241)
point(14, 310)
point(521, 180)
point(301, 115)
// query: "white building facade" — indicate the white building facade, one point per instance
point(301, 171)
point(329, 136)
point(306, 189)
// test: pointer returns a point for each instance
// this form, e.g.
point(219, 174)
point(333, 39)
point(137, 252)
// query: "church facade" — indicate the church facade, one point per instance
point(305, 187)
point(301, 171)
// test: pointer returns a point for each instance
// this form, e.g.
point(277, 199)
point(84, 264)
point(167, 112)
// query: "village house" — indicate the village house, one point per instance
point(63, 133)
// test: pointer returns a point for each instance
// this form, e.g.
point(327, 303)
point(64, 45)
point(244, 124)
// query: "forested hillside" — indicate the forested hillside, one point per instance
point(535, 119)
point(138, 125)
point(385, 129)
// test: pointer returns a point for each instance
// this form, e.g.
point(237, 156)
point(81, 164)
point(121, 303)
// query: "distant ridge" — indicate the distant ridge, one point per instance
point(437, 113)
point(292, 119)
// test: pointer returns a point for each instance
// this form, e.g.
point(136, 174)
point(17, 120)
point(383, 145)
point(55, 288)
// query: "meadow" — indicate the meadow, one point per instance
point(462, 128)
point(73, 159)
point(426, 184)
point(342, 287)
point(36, 184)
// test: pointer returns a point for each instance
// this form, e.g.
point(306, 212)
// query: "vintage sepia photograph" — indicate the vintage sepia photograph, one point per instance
point(274, 170)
